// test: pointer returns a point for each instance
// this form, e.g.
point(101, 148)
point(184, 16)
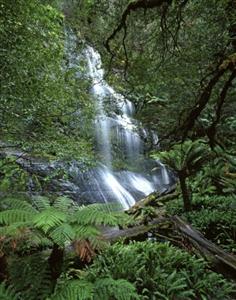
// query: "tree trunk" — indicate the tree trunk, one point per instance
point(55, 262)
point(3, 267)
point(185, 193)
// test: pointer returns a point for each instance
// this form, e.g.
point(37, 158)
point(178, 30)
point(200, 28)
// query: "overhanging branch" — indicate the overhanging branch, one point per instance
point(133, 6)
point(211, 130)
point(228, 64)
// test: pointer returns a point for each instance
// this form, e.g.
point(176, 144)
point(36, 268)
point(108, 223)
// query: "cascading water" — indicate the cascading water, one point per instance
point(115, 131)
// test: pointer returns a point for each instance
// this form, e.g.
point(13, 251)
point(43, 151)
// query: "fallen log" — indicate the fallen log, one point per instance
point(155, 199)
point(116, 234)
point(219, 259)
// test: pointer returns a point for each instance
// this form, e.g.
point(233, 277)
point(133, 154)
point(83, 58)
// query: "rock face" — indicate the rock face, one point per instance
point(102, 185)
point(96, 185)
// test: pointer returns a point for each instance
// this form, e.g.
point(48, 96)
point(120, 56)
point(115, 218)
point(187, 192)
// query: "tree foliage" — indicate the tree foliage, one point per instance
point(38, 93)
point(176, 61)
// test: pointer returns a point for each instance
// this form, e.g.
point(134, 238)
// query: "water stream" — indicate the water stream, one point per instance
point(118, 138)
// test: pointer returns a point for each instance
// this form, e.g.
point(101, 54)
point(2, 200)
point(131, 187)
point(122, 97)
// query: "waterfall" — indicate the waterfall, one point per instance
point(118, 138)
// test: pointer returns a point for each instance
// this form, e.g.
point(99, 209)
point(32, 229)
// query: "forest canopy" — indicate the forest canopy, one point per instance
point(172, 66)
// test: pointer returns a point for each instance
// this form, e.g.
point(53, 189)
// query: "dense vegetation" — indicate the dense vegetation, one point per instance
point(176, 60)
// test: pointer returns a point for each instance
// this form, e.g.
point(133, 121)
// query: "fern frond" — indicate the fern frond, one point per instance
point(63, 204)
point(18, 204)
point(30, 276)
point(14, 230)
point(41, 203)
point(37, 238)
point(10, 216)
point(95, 214)
point(49, 218)
point(121, 289)
point(85, 231)
point(98, 242)
point(74, 290)
point(62, 234)
point(7, 293)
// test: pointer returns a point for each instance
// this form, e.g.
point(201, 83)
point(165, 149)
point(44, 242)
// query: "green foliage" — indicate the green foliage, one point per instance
point(159, 271)
point(217, 176)
point(119, 289)
point(7, 293)
point(60, 221)
point(30, 276)
point(12, 176)
point(186, 158)
point(102, 289)
point(99, 214)
point(31, 229)
point(74, 290)
point(214, 216)
point(39, 95)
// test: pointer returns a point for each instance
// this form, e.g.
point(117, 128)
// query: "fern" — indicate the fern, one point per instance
point(102, 289)
point(7, 293)
point(187, 156)
point(85, 231)
point(41, 203)
point(120, 289)
point(17, 204)
point(74, 290)
point(48, 219)
point(64, 204)
point(14, 230)
point(62, 234)
point(58, 222)
point(99, 214)
point(39, 239)
point(157, 271)
point(8, 217)
point(30, 277)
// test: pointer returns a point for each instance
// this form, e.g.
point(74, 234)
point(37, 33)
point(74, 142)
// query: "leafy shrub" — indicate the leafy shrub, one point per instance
point(30, 276)
point(159, 271)
point(214, 216)
point(12, 176)
point(105, 288)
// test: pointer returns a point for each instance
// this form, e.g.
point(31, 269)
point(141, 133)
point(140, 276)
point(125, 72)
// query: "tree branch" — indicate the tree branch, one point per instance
point(228, 64)
point(211, 130)
point(133, 6)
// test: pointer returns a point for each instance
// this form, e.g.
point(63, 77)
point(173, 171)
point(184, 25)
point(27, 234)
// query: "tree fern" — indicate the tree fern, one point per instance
point(62, 234)
point(99, 214)
point(41, 203)
point(49, 218)
point(17, 203)
point(10, 216)
point(64, 204)
point(55, 224)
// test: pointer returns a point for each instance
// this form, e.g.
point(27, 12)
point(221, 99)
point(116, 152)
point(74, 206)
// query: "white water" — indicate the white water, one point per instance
point(120, 129)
